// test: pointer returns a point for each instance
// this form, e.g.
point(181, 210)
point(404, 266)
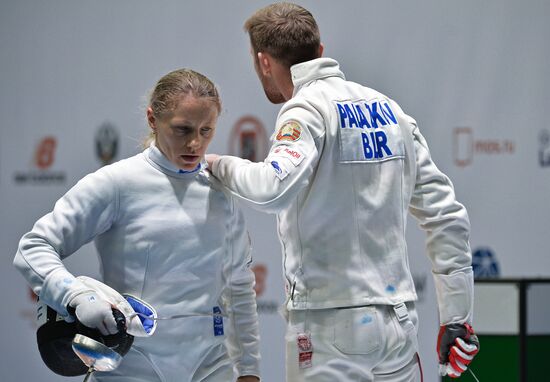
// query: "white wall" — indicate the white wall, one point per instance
point(68, 66)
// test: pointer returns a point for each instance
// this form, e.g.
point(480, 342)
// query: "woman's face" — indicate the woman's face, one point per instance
point(184, 134)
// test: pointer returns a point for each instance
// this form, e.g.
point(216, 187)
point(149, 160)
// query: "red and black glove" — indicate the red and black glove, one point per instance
point(457, 346)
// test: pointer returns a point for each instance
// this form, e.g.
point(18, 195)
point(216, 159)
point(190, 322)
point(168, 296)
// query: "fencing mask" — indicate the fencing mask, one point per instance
point(55, 336)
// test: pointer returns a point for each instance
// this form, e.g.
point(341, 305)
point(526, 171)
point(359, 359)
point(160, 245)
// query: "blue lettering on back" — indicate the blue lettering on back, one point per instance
point(358, 114)
point(351, 116)
point(365, 132)
point(382, 144)
point(362, 119)
point(343, 115)
point(388, 112)
point(367, 149)
point(374, 115)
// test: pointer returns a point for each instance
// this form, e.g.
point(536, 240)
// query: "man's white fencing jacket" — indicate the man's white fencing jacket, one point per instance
point(345, 167)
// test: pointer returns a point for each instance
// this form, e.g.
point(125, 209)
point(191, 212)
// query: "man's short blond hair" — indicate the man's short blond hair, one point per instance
point(286, 31)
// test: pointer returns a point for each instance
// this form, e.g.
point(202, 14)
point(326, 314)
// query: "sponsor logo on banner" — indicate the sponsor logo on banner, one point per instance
point(43, 160)
point(248, 139)
point(466, 146)
point(485, 264)
point(264, 306)
point(260, 273)
point(106, 143)
point(544, 148)
point(29, 313)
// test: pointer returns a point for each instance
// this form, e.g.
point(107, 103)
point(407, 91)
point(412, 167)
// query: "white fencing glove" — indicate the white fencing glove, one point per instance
point(94, 312)
point(457, 346)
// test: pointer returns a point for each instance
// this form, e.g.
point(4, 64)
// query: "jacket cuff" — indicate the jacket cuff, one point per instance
point(59, 288)
point(455, 296)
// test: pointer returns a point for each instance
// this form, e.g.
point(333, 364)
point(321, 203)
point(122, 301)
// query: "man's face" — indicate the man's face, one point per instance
point(270, 89)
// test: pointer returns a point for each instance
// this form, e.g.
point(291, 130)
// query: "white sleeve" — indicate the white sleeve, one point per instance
point(271, 185)
point(84, 212)
point(447, 226)
point(243, 339)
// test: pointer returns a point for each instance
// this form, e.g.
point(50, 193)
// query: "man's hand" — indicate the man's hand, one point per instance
point(210, 159)
point(94, 313)
point(248, 378)
point(457, 346)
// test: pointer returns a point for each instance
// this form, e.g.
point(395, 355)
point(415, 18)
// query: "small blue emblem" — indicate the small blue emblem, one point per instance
point(276, 167)
point(218, 321)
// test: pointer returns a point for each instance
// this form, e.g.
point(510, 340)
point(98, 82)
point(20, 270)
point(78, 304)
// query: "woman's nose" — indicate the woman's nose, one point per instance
point(194, 142)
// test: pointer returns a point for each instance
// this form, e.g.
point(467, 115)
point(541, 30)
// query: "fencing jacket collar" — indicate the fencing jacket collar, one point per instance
point(159, 161)
point(318, 68)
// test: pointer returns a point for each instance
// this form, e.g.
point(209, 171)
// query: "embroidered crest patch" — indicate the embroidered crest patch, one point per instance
point(290, 131)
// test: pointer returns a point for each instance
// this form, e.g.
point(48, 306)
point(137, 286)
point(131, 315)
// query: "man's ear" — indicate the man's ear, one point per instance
point(264, 61)
point(321, 49)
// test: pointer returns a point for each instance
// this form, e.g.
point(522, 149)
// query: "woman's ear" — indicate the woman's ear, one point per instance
point(151, 119)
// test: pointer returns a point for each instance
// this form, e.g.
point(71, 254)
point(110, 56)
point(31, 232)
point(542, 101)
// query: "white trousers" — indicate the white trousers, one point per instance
point(360, 344)
point(216, 367)
point(183, 350)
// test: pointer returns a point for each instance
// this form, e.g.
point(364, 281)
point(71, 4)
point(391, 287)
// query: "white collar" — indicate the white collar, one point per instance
point(158, 158)
point(318, 68)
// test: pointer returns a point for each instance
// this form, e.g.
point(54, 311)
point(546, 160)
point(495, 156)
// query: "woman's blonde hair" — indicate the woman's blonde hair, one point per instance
point(173, 86)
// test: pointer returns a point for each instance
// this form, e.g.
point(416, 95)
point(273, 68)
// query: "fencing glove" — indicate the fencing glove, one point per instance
point(94, 312)
point(457, 346)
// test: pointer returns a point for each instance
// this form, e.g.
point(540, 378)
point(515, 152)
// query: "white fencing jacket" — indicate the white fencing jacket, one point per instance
point(175, 240)
point(345, 167)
